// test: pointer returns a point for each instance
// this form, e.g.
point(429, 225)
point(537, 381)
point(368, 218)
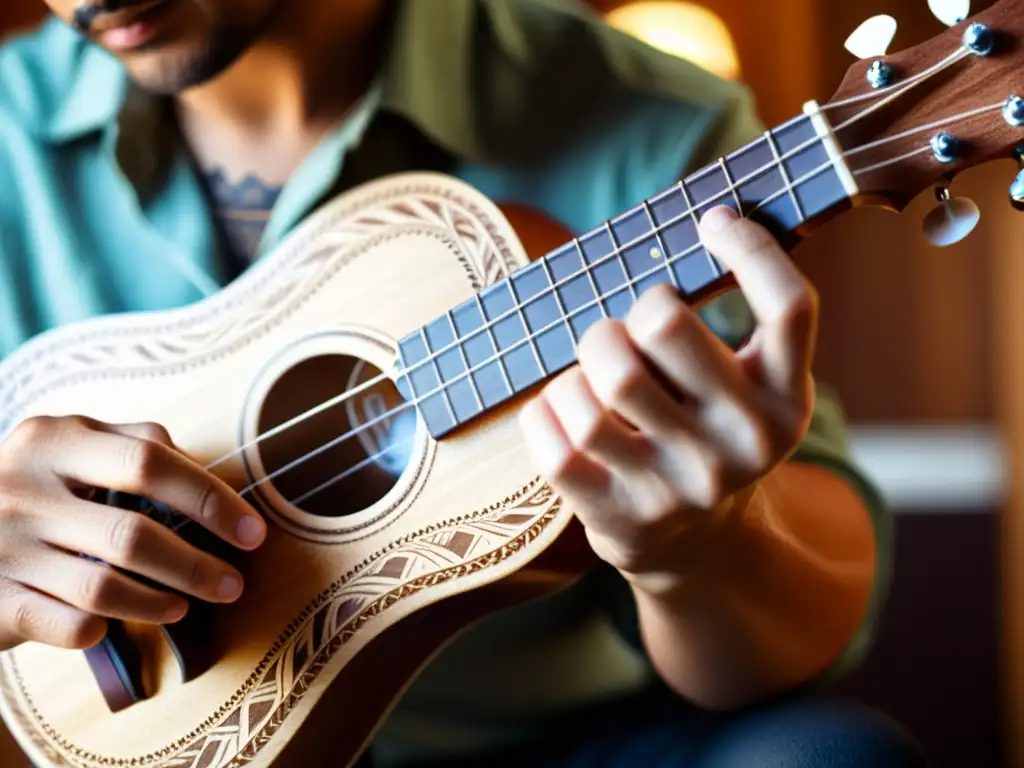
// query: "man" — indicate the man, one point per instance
point(746, 556)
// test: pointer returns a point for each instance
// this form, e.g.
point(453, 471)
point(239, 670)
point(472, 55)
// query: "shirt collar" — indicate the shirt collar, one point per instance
point(429, 56)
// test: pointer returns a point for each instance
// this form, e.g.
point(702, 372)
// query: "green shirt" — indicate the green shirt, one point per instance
point(531, 101)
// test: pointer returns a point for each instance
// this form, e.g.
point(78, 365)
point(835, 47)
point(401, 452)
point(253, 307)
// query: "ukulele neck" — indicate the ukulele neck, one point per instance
point(524, 329)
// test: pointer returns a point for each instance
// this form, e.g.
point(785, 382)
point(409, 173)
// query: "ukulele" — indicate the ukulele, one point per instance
point(360, 387)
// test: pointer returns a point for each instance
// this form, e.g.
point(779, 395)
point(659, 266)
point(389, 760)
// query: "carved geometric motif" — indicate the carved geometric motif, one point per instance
point(235, 735)
point(169, 343)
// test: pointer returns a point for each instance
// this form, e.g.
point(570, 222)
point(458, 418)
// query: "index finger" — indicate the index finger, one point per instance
point(784, 303)
point(113, 458)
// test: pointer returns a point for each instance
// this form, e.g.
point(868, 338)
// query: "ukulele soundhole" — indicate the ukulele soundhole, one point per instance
point(347, 457)
point(332, 447)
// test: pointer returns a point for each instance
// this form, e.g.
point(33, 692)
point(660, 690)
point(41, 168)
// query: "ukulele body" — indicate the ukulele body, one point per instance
point(357, 585)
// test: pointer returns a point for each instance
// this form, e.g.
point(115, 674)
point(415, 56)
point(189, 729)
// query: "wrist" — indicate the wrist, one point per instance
point(703, 555)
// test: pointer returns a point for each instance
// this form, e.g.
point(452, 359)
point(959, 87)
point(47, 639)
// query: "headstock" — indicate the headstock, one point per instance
point(913, 120)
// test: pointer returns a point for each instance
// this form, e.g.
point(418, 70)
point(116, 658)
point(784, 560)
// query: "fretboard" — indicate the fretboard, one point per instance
point(525, 328)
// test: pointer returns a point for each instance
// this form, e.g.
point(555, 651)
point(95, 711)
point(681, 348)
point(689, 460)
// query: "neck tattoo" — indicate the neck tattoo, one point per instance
point(242, 211)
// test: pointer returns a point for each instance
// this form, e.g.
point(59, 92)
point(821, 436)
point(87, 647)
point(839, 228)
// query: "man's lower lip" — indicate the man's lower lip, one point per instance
point(126, 38)
point(136, 34)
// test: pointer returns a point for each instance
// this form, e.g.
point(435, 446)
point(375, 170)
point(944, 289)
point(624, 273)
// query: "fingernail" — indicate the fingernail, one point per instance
point(717, 219)
point(250, 530)
point(230, 587)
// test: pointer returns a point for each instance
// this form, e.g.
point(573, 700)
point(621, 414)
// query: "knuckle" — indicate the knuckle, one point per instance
point(96, 590)
point(76, 421)
point(564, 468)
point(125, 535)
point(590, 434)
point(758, 444)
point(142, 461)
point(154, 432)
point(21, 620)
point(674, 322)
point(710, 481)
point(802, 305)
point(206, 503)
point(624, 385)
point(10, 509)
point(30, 433)
point(198, 576)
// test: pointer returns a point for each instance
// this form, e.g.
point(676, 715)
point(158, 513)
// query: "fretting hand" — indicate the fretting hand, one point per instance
point(661, 432)
point(48, 593)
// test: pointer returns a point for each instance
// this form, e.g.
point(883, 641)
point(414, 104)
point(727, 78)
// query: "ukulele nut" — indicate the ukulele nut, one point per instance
point(1013, 111)
point(879, 74)
point(979, 39)
point(945, 147)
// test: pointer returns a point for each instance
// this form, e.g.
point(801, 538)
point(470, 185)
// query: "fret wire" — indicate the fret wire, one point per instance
point(561, 306)
point(831, 164)
point(590, 276)
point(526, 327)
point(661, 245)
point(731, 185)
point(494, 346)
point(785, 175)
point(834, 163)
point(465, 360)
point(620, 258)
point(406, 373)
point(692, 210)
point(440, 377)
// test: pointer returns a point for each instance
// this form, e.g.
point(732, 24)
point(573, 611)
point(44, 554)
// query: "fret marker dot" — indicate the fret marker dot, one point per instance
point(655, 253)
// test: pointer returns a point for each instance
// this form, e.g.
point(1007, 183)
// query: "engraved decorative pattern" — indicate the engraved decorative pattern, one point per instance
point(235, 735)
point(163, 343)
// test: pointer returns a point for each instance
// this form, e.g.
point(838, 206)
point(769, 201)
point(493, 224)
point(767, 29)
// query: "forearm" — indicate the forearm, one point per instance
point(768, 602)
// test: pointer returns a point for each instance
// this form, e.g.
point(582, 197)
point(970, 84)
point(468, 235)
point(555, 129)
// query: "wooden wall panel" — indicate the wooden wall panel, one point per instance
point(1007, 279)
point(16, 14)
point(905, 327)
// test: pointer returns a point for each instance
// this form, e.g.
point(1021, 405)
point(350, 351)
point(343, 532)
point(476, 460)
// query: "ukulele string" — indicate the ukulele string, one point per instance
point(897, 91)
point(530, 337)
point(918, 129)
point(889, 93)
point(490, 323)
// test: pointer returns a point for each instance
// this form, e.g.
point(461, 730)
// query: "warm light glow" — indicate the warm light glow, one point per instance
point(682, 29)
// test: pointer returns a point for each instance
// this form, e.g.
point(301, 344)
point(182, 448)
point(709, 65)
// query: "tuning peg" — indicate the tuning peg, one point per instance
point(952, 220)
point(950, 12)
point(872, 38)
point(1017, 187)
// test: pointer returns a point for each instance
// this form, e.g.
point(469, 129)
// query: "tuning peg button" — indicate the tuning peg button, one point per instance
point(950, 12)
point(1017, 187)
point(1017, 192)
point(872, 38)
point(1013, 111)
point(950, 221)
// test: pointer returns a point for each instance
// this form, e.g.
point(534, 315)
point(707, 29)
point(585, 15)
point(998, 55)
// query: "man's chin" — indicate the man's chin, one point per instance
point(170, 67)
point(165, 74)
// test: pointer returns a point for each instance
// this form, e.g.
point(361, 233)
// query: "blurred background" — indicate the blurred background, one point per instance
point(922, 344)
